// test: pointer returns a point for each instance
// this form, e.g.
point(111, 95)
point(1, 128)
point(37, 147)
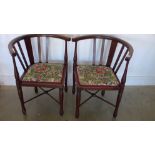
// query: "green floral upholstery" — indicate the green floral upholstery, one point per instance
point(44, 72)
point(96, 75)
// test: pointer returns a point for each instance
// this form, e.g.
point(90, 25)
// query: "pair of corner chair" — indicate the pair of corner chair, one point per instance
point(39, 73)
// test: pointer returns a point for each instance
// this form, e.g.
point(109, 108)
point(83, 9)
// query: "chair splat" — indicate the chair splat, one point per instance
point(29, 49)
point(22, 53)
point(118, 57)
point(121, 61)
point(19, 58)
point(111, 52)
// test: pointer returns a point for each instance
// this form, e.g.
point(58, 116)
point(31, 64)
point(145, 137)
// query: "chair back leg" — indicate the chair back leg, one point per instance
point(78, 99)
point(119, 97)
point(103, 92)
point(61, 96)
point(20, 93)
point(66, 79)
point(36, 90)
point(73, 88)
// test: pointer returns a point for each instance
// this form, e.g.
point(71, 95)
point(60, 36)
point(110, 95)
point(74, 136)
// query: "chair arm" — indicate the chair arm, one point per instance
point(130, 49)
point(129, 56)
point(12, 52)
point(123, 80)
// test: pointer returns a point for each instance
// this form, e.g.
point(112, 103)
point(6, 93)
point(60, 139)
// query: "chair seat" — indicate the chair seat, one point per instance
point(44, 72)
point(96, 76)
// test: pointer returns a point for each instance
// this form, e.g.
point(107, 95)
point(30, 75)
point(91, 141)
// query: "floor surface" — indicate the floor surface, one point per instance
point(138, 104)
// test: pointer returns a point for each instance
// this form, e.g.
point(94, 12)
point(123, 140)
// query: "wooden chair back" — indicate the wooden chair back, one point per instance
point(125, 52)
point(26, 59)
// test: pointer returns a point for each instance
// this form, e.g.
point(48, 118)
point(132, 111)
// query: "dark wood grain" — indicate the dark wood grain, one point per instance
point(122, 56)
point(121, 61)
point(29, 49)
point(22, 53)
point(118, 57)
point(111, 52)
point(19, 58)
point(20, 83)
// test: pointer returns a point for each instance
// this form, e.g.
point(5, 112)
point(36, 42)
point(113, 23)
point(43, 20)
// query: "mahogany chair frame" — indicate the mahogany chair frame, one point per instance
point(24, 63)
point(117, 64)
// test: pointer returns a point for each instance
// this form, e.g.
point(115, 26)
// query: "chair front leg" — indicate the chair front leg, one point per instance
point(103, 92)
point(78, 99)
point(61, 96)
point(73, 88)
point(36, 90)
point(66, 80)
point(20, 93)
point(119, 97)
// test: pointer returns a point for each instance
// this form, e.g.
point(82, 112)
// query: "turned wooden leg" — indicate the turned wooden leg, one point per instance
point(61, 96)
point(119, 97)
point(73, 88)
point(66, 79)
point(20, 93)
point(103, 92)
point(36, 90)
point(78, 98)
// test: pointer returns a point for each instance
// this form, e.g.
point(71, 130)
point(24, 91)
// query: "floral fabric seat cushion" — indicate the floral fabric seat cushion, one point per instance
point(44, 72)
point(96, 75)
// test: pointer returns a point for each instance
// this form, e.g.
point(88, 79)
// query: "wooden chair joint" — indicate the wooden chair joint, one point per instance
point(43, 93)
point(95, 95)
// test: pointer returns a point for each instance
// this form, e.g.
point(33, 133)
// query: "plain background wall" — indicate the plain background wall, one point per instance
point(141, 69)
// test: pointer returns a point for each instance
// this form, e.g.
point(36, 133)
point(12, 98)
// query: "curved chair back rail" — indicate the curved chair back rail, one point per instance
point(125, 52)
point(108, 37)
point(36, 75)
point(84, 77)
point(17, 51)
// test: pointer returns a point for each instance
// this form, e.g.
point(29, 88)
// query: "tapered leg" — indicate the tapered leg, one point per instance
point(61, 96)
point(103, 92)
point(66, 79)
point(119, 97)
point(20, 93)
point(36, 90)
point(78, 99)
point(73, 88)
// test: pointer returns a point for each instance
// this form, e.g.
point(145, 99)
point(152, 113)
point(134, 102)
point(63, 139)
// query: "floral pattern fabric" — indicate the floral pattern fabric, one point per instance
point(44, 72)
point(96, 75)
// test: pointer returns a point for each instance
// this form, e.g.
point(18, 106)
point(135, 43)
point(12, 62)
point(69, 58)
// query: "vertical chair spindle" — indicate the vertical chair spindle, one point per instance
point(111, 52)
point(118, 57)
point(66, 54)
point(19, 58)
point(118, 67)
point(22, 53)
point(29, 49)
point(75, 54)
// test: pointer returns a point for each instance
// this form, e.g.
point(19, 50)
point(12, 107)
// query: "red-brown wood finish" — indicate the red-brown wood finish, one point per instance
point(122, 56)
point(24, 63)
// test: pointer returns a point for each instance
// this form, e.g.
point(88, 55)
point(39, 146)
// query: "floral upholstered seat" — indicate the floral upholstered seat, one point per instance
point(44, 72)
point(96, 75)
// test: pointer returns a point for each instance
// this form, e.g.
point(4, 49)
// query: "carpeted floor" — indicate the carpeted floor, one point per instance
point(138, 104)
